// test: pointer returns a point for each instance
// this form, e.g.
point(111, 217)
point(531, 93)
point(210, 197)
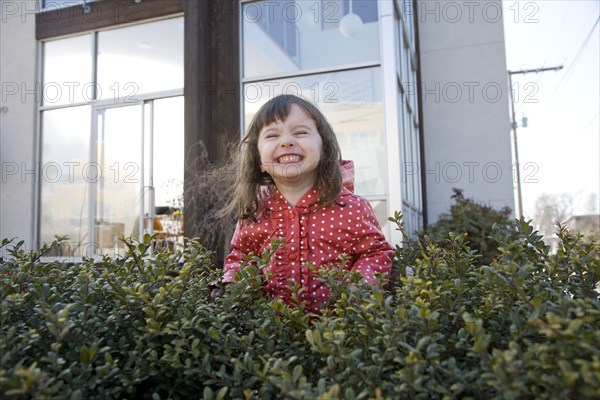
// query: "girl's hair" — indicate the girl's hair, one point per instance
point(249, 177)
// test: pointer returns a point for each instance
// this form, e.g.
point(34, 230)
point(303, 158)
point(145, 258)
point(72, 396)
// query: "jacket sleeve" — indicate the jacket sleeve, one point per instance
point(372, 251)
point(237, 249)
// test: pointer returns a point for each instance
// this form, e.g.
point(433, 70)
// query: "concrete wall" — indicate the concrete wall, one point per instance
point(17, 119)
point(465, 103)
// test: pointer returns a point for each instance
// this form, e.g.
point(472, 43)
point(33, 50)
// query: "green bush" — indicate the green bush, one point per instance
point(475, 221)
point(526, 326)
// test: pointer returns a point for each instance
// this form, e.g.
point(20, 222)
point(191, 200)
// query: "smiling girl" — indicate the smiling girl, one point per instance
point(292, 184)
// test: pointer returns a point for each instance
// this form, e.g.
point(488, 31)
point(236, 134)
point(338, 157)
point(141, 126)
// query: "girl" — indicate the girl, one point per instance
point(292, 184)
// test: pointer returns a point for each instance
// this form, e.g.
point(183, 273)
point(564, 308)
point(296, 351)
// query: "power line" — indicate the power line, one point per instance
point(559, 30)
point(532, 39)
point(587, 125)
point(575, 60)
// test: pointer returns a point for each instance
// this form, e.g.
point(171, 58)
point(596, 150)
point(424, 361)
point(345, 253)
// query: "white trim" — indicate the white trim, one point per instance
point(94, 71)
point(138, 99)
point(314, 71)
point(120, 101)
point(92, 186)
point(388, 49)
point(143, 165)
point(37, 157)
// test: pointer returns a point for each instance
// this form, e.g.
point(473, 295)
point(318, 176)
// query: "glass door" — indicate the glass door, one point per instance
point(163, 172)
point(139, 186)
point(118, 191)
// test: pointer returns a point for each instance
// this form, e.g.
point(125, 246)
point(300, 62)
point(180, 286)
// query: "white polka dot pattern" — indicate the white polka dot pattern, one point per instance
point(312, 235)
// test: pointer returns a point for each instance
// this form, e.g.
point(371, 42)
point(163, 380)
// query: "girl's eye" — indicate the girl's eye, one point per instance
point(301, 133)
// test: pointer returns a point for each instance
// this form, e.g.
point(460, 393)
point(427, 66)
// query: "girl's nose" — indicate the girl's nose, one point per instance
point(287, 141)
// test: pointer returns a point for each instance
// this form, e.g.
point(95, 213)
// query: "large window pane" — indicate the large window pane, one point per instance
point(68, 71)
point(65, 173)
point(416, 158)
point(168, 152)
point(293, 35)
point(352, 102)
point(138, 59)
point(407, 166)
point(381, 213)
point(408, 128)
point(168, 169)
point(119, 187)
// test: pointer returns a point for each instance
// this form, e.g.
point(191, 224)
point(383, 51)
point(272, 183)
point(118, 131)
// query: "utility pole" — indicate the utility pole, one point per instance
point(514, 129)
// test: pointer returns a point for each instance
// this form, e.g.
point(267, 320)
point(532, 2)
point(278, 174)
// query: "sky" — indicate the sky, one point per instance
point(559, 150)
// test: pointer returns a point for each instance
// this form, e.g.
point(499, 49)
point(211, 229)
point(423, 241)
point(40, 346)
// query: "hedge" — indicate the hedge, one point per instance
point(524, 326)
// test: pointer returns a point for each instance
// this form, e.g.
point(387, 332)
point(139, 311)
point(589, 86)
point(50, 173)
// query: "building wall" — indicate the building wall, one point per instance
point(17, 119)
point(466, 133)
point(465, 103)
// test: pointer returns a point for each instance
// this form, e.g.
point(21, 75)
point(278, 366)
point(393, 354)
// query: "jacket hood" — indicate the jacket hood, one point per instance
point(347, 169)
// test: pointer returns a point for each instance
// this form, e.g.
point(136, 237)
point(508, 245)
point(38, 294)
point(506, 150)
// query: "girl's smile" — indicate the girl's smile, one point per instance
point(290, 150)
point(289, 158)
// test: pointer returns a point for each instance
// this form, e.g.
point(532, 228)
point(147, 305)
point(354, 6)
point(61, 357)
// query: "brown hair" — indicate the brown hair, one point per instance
point(249, 177)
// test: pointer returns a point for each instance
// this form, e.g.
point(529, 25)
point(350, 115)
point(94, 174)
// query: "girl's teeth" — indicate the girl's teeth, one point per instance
point(285, 159)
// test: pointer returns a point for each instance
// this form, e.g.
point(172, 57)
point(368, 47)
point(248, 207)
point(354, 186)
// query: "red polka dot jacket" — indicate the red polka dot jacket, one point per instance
point(312, 234)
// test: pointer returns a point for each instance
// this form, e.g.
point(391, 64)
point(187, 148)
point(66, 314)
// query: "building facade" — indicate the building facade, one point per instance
point(106, 105)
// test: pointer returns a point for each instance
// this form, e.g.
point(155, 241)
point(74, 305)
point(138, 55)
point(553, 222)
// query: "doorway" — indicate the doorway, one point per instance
point(139, 152)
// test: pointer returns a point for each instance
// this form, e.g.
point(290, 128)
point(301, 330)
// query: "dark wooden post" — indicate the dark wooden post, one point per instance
point(212, 88)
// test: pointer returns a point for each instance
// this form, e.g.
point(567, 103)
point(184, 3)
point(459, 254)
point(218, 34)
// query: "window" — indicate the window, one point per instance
point(111, 135)
point(329, 51)
point(139, 59)
point(345, 84)
point(67, 71)
point(65, 173)
point(407, 93)
point(351, 101)
point(289, 36)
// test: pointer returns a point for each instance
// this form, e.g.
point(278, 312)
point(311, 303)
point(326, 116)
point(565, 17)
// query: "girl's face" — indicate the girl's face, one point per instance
point(290, 150)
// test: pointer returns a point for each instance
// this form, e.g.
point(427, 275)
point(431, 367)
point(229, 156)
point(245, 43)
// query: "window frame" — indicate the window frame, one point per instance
point(95, 106)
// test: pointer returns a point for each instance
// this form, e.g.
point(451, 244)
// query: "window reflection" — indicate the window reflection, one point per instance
point(119, 157)
point(68, 71)
point(65, 173)
point(139, 59)
point(168, 152)
point(293, 35)
point(352, 102)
